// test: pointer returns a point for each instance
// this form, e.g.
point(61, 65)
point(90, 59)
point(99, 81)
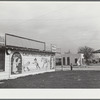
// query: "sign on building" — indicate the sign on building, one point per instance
point(17, 41)
point(53, 48)
point(2, 40)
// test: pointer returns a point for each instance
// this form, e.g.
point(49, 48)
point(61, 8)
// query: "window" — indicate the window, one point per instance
point(76, 60)
point(68, 60)
point(58, 61)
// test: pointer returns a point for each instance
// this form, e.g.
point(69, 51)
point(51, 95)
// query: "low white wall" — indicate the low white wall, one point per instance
point(72, 58)
point(22, 63)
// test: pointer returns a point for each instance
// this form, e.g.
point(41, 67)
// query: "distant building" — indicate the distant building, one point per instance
point(68, 58)
point(96, 58)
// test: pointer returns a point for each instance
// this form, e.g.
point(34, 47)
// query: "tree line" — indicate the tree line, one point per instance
point(88, 53)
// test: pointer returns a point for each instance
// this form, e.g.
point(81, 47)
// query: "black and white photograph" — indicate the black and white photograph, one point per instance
point(49, 45)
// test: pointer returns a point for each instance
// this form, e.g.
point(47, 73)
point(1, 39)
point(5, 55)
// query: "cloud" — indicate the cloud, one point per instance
point(69, 25)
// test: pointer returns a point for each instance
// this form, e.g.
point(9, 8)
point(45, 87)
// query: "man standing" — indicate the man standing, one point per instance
point(71, 66)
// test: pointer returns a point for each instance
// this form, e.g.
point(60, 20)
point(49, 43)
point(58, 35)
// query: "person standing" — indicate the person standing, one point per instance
point(71, 66)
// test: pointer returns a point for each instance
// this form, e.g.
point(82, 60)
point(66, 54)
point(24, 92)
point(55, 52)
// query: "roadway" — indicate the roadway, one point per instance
point(65, 68)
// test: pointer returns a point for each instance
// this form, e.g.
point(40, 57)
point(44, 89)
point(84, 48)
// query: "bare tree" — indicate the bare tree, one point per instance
point(88, 53)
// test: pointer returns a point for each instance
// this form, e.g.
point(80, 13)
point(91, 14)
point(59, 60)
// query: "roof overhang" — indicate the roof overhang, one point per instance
point(28, 49)
point(97, 51)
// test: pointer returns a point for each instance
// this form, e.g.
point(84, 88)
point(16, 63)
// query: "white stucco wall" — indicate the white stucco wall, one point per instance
point(71, 56)
point(45, 61)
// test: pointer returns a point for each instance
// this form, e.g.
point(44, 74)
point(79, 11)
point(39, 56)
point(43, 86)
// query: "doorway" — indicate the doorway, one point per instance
point(68, 60)
point(76, 60)
point(63, 60)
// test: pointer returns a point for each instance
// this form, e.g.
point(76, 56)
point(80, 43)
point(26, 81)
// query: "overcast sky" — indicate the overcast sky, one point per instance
point(69, 25)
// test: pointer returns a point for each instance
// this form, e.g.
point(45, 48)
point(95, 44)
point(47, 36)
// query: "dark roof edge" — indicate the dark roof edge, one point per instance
point(28, 49)
point(97, 51)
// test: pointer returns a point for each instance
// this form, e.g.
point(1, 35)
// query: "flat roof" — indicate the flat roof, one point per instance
point(97, 51)
point(28, 49)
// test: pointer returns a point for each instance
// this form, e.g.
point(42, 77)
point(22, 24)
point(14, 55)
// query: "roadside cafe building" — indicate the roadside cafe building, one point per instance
point(21, 56)
point(67, 58)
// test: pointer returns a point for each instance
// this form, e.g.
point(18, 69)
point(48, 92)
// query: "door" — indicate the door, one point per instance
point(63, 60)
point(76, 60)
point(68, 60)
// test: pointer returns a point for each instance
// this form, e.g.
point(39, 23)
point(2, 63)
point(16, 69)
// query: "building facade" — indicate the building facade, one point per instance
point(68, 58)
point(19, 61)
